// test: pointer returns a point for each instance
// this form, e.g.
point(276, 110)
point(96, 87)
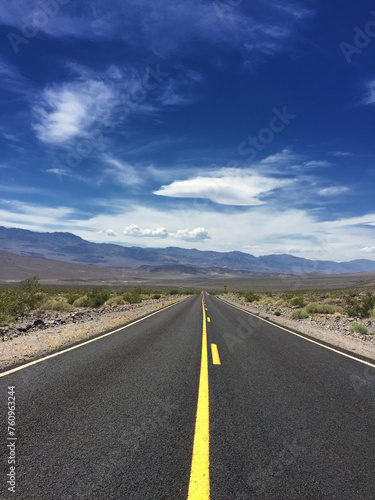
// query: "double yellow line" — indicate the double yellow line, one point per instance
point(199, 486)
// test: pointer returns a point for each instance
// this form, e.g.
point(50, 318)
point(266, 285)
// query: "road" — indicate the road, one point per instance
point(279, 417)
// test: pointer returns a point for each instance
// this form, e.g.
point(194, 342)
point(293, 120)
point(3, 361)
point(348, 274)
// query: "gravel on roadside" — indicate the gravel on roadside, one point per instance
point(330, 328)
point(42, 333)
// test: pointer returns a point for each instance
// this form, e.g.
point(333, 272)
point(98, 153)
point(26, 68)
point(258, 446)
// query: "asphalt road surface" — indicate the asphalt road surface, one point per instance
point(198, 401)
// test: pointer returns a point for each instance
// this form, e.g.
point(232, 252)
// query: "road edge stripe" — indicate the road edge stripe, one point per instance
point(81, 344)
point(301, 335)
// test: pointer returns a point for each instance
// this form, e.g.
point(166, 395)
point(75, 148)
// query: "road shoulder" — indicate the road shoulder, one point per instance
point(363, 346)
point(34, 344)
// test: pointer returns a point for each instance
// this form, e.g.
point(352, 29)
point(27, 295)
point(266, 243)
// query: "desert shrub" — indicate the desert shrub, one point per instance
point(279, 302)
point(287, 296)
point(315, 307)
point(117, 300)
point(360, 306)
point(268, 301)
point(97, 296)
point(251, 297)
point(277, 313)
point(297, 300)
point(372, 313)
point(56, 305)
point(20, 300)
point(29, 292)
point(72, 297)
point(174, 291)
point(299, 314)
point(10, 305)
point(358, 327)
point(81, 302)
point(156, 296)
point(133, 296)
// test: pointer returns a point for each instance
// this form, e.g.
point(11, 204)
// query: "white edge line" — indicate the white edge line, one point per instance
point(49, 356)
point(301, 336)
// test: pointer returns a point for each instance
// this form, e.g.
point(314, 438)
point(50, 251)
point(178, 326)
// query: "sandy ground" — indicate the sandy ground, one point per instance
point(333, 328)
point(61, 330)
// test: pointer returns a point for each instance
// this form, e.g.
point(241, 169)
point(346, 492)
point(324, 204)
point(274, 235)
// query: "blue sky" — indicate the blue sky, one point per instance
point(230, 125)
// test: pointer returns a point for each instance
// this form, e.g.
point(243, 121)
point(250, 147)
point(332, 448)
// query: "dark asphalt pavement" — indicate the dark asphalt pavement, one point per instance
point(115, 419)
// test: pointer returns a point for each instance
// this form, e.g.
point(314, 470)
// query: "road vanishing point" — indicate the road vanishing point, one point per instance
point(199, 400)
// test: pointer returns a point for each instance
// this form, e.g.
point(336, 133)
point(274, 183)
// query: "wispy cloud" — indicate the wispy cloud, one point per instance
point(317, 164)
point(370, 93)
point(166, 27)
point(69, 110)
point(11, 78)
point(340, 153)
point(284, 157)
point(123, 173)
point(333, 191)
point(19, 214)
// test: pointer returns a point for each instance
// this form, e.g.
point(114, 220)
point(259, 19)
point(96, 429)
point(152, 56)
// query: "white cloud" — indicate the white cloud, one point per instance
point(15, 213)
point(103, 99)
point(197, 234)
point(166, 27)
point(333, 191)
point(261, 230)
point(138, 232)
point(340, 153)
point(370, 93)
point(363, 220)
point(59, 171)
point(124, 173)
point(286, 156)
point(317, 164)
point(69, 110)
point(226, 189)
point(11, 78)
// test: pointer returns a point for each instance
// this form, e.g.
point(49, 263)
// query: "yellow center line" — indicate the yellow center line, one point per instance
point(208, 320)
point(199, 485)
point(215, 355)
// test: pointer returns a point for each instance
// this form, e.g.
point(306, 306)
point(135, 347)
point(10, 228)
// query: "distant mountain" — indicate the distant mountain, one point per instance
point(14, 267)
point(67, 247)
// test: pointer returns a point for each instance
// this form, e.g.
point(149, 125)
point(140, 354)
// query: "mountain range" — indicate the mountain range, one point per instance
point(67, 247)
